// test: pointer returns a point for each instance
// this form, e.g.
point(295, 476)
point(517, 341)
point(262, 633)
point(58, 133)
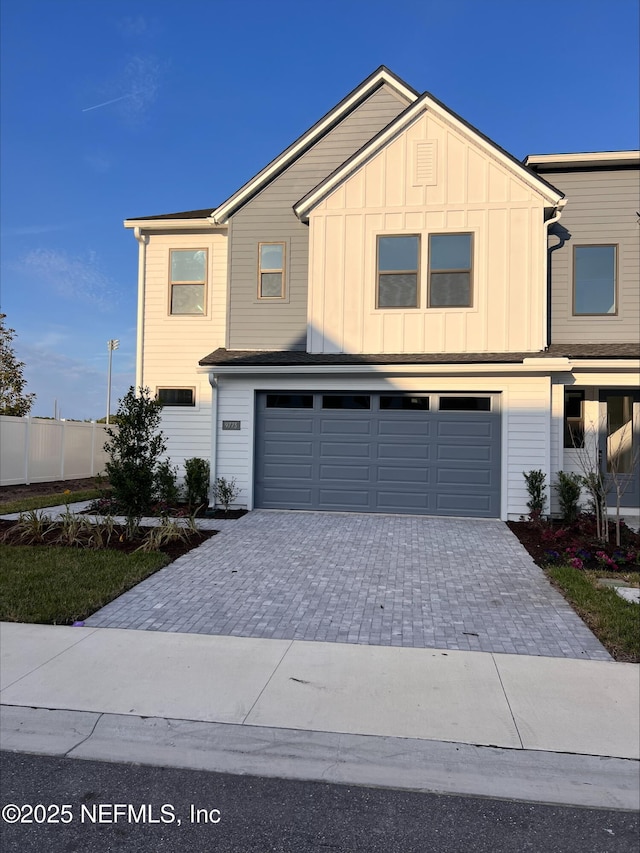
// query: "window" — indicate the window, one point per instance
point(405, 402)
point(346, 401)
point(574, 418)
point(290, 401)
point(177, 396)
point(594, 280)
point(398, 271)
point(465, 404)
point(450, 270)
point(271, 270)
point(188, 277)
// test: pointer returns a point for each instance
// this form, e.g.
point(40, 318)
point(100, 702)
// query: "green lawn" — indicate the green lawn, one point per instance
point(41, 501)
point(59, 586)
point(614, 621)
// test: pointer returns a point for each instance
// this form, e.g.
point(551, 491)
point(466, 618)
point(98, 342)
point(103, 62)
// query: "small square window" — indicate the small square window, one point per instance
point(271, 273)
point(398, 271)
point(450, 270)
point(187, 279)
point(176, 396)
point(594, 280)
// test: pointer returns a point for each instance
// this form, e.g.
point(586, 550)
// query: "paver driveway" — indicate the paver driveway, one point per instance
point(345, 577)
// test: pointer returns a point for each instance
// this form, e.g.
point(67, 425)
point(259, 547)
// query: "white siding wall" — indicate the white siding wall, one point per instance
point(470, 192)
point(173, 345)
point(525, 405)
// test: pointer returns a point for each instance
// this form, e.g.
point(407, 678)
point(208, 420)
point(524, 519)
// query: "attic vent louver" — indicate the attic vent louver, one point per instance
point(425, 170)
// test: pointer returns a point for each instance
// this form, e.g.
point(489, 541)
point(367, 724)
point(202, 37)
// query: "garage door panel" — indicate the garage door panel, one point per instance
point(342, 426)
point(344, 449)
point(406, 474)
point(344, 472)
point(344, 499)
point(378, 460)
point(463, 476)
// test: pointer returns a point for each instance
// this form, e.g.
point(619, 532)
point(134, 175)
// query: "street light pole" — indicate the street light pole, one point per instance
point(111, 345)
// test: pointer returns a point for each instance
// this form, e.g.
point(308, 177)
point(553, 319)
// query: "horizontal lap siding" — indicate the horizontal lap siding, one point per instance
point(601, 208)
point(269, 217)
point(173, 345)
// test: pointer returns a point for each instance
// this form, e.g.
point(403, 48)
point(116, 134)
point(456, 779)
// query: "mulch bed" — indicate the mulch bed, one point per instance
point(14, 493)
point(119, 541)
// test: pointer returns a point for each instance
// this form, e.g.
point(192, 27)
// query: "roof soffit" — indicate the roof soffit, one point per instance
point(379, 78)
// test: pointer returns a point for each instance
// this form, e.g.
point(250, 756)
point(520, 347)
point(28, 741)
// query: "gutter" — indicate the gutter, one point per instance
point(547, 272)
point(142, 239)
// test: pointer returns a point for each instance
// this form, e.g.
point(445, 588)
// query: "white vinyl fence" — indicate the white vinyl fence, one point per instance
point(34, 450)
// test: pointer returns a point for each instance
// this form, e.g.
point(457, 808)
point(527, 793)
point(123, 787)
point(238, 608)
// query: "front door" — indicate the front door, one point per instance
point(620, 445)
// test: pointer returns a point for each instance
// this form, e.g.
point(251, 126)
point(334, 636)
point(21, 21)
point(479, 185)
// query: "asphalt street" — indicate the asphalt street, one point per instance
point(101, 807)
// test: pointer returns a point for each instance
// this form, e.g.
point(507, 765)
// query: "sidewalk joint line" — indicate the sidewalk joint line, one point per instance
point(493, 658)
point(44, 663)
point(276, 668)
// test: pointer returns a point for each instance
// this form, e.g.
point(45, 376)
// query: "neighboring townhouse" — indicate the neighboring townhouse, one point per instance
point(396, 315)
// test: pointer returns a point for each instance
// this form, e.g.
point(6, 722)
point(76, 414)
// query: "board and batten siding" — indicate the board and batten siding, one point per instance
point(269, 217)
point(524, 402)
point(469, 192)
point(173, 345)
point(601, 208)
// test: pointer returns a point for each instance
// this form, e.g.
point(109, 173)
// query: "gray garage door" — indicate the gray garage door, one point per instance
point(416, 453)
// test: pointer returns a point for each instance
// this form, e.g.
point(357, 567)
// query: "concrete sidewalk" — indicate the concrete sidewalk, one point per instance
point(547, 729)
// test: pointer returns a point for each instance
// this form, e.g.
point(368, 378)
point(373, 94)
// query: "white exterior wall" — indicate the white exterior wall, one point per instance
point(525, 402)
point(173, 344)
point(470, 192)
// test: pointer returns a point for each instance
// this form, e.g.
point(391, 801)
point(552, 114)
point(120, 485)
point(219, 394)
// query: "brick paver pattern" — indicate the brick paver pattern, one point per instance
point(353, 578)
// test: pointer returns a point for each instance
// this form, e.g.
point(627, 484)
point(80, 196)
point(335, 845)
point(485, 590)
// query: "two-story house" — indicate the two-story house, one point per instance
point(396, 315)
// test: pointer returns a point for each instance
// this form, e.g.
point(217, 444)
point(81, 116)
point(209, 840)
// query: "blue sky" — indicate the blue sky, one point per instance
point(117, 109)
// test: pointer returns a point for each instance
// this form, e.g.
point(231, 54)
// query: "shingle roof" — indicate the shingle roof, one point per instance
point(185, 214)
point(270, 358)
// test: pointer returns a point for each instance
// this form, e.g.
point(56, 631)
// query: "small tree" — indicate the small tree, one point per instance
point(569, 487)
point(535, 481)
point(135, 449)
point(197, 473)
point(13, 400)
point(225, 492)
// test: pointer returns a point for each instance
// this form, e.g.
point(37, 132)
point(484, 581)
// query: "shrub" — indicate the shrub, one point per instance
point(225, 492)
point(568, 488)
point(197, 474)
point(166, 490)
point(535, 481)
point(134, 450)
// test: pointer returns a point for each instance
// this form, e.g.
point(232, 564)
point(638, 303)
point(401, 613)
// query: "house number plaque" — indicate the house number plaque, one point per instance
point(230, 424)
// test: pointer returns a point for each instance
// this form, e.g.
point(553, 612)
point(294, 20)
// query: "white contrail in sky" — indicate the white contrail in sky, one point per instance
point(106, 103)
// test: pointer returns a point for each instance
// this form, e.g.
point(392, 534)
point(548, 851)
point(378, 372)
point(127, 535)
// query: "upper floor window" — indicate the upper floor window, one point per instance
point(594, 280)
point(398, 271)
point(450, 284)
point(271, 271)
point(188, 279)
point(176, 396)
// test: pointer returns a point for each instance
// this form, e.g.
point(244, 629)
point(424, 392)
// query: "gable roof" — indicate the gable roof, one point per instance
point(585, 160)
point(426, 101)
point(380, 77)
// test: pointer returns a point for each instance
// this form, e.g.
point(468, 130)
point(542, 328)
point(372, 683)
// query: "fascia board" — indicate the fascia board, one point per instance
point(173, 224)
point(404, 120)
point(613, 365)
point(593, 158)
point(263, 177)
point(538, 366)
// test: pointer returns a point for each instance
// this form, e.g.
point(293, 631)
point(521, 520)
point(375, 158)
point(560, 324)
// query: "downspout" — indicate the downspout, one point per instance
point(213, 473)
point(142, 239)
point(547, 271)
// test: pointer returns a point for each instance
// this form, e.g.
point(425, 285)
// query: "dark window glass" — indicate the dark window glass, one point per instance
point(398, 271)
point(465, 404)
point(594, 280)
point(176, 396)
point(346, 401)
point(450, 270)
point(574, 418)
point(404, 401)
point(290, 401)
